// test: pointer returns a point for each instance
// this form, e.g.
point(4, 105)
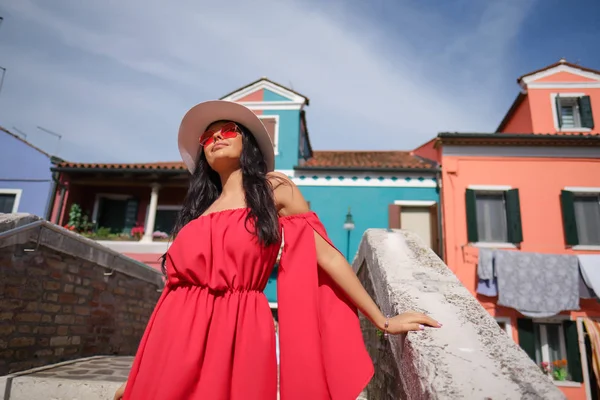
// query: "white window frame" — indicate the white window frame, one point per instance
point(555, 112)
point(276, 133)
point(17, 193)
point(590, 191)
point(507, 325)
point(559, 319)
point(493, 189)
point(544, 339)
point(414, 203)
point(418, 204)
point(161, 207)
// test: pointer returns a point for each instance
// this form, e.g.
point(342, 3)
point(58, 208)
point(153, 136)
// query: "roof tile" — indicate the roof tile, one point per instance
point(149, 166)
point(320, 159)
point(366, 159)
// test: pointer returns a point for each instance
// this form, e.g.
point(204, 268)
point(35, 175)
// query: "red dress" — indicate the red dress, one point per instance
point(211, 335)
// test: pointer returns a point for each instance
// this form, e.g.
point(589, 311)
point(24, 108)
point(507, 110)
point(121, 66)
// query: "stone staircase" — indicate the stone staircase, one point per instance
point(93, 378)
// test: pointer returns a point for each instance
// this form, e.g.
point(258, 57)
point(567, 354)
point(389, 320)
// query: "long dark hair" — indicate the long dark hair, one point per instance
point(205, 187)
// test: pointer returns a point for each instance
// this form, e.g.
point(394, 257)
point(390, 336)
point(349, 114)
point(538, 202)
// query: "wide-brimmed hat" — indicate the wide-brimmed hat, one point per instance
point(199, 117)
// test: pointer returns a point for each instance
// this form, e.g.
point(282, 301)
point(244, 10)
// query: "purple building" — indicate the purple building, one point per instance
point(26, 182)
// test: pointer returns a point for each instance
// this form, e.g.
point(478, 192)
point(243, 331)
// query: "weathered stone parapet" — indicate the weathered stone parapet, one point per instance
point(21, 229)
point(63, 296)
point(469, 358)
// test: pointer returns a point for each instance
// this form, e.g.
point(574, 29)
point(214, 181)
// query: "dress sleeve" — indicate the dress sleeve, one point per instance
point(323, 355)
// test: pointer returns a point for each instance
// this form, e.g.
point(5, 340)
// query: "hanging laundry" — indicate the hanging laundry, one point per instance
point(590, 270)
point(487, 287)
point(585, 292)
point(593, 330)
point(486, 276)
point(485, 264)
point(537, 285)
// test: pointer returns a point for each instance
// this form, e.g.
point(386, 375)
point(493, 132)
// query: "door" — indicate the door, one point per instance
point(421, 220)
point(111, 214)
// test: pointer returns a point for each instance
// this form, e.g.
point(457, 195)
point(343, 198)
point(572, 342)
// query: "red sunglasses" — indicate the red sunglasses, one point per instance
point(227, 131)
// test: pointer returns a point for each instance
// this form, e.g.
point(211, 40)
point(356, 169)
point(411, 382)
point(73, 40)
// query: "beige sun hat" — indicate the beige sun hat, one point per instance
point(199, 117)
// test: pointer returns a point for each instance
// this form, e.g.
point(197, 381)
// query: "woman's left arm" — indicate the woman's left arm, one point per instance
point(290, 201)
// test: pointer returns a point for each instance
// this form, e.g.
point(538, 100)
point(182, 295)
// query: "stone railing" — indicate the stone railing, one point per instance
point(63, 296)
point(470, 357)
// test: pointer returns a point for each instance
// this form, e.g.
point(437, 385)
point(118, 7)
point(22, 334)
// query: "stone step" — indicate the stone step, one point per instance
point(93, 378)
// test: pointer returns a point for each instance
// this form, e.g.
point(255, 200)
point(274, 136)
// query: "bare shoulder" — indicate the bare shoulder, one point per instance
point(288, 198)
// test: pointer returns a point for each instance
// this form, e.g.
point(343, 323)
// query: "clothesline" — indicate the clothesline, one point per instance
point(558, 280)
point(533, 248)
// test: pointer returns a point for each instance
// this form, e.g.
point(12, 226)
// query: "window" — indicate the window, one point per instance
point(505, 325)
point(549, 343)
point(493, 216)
point(271, 122)
point(546, 342)
point(116, 212)
point(573, 111)
point(9, 200)
point(165, 218)
point(7, 203)
point(581, 217)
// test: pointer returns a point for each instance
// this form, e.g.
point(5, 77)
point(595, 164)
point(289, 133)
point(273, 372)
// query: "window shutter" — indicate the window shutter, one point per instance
point(394, 216)
point(585, 110)
point(568, 213)
point(558, 113)
point(513, 216)
point(131, 210)
point(573, 355)
point(526, 336)
point(470, 201)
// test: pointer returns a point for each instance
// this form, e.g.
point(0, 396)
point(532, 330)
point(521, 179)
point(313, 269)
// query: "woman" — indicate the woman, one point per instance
point(211, 334)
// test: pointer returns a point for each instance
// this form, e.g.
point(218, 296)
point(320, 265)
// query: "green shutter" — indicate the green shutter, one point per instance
point(513, 216)
point(585, 110)
point(568, 213)
point(558, 113)
point(573, 355)
point(526, 336)
point(131, 210)
point(471, 203)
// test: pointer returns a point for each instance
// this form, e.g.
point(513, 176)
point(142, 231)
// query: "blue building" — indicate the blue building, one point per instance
point(351, 191)
point(378, 189)
point(25, 178)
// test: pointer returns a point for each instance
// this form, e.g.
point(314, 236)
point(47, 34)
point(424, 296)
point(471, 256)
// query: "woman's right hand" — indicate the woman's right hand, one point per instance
point(120, 391)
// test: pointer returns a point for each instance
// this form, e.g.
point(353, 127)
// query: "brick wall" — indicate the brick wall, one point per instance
point(55, 307)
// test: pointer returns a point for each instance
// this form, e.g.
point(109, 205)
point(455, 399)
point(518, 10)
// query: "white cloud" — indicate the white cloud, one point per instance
point(117, 76)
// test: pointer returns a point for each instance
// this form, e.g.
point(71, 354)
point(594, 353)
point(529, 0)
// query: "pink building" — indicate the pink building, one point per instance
point(531, 191)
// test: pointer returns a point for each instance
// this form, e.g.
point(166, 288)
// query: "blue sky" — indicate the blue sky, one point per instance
point(115, 77)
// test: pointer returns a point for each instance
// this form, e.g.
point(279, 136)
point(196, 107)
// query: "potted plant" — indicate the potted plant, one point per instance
point(137, 232)
point(78, 221)
point(160, 236)
point(557, 370)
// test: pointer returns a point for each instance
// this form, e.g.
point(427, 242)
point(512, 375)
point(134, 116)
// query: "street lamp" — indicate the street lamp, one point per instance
point(348, 226)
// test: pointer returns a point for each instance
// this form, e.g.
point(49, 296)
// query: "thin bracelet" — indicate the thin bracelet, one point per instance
point(387, 324)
